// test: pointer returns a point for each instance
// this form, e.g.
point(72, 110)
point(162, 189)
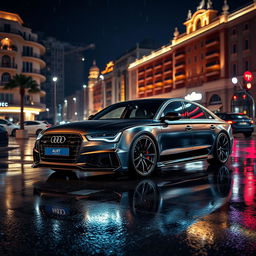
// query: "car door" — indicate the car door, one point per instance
point(175, 137)
point(4, 123)
point(202, 127)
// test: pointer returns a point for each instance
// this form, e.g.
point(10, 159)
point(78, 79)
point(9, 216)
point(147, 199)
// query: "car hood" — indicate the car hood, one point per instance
point(96, 126)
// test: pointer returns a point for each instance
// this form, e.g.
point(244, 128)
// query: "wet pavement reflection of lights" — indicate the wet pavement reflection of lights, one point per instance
point(189, 209)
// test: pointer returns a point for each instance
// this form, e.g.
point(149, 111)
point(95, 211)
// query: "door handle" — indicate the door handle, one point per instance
point(212, 127)
point(188, 128)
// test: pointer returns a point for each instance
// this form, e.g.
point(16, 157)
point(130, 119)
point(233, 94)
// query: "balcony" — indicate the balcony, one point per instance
point(212, 42)
point(167, 61)
point(214, 65)
point(34, 72)
point(212, 54)
point(158, 73)
point(8, 65)
point(18, 32)
point(168, 70)
point(180, 65)
point(179, 55)
point(34, 55)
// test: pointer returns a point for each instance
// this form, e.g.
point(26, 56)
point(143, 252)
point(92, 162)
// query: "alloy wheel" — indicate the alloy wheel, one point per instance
point(223, 147)
point(144, 156)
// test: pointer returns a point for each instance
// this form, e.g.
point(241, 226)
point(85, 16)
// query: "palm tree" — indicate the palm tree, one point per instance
point(24, 83)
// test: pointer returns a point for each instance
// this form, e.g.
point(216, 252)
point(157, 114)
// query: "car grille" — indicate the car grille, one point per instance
point(73, 142)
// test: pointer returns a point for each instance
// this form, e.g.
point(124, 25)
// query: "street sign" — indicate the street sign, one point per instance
point(248, 76)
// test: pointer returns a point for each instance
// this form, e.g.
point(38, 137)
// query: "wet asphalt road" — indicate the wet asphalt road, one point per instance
point(189, 209)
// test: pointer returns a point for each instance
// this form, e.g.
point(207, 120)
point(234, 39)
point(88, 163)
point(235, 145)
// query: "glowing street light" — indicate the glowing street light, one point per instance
point(55, 79)
point(234, 80)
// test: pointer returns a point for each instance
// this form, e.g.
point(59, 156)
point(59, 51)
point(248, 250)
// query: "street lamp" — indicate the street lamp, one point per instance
point(55, 79)
point(85, 100)
point(235, 81)
point(75, 110)
point(103, 91)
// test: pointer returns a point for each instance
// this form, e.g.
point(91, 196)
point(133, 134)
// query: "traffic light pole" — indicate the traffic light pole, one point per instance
point(252, 99)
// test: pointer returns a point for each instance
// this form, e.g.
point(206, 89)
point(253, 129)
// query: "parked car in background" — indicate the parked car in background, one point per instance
point(240, 123)
point(35, 127)
point(10, 127)
point(4, 137)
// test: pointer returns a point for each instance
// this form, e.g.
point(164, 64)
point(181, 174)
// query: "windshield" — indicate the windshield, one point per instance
point(130, 110)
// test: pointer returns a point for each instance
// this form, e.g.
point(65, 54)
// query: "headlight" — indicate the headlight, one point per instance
point(40, 135)
point(106, 137)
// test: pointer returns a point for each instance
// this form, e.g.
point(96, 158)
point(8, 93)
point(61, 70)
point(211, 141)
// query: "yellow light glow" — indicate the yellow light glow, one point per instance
point(109, 68)
point(11, 16)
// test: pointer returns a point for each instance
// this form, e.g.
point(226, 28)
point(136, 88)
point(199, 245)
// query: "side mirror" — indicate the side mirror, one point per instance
point(171, 116)
point(90, 117)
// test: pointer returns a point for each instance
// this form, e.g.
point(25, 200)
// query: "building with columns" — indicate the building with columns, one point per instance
point(200, 63)
point(20, 53)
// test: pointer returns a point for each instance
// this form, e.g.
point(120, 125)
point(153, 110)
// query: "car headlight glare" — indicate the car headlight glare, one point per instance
point(106, 137)
point(40, 135)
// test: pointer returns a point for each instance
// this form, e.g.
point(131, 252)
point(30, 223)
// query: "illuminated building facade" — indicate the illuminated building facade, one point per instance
point(20, 53)
point(112, 84)
point(201, 61)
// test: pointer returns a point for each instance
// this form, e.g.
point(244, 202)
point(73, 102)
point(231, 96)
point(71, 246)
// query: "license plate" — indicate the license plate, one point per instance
point(243, 123)
point(61, 211)
point(56, 151)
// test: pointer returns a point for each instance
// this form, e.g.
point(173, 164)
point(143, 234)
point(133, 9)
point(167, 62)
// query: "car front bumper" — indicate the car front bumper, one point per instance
point(90, 156)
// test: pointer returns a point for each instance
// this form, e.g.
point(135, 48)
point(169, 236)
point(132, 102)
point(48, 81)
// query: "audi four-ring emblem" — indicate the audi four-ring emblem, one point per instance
point(58, 139)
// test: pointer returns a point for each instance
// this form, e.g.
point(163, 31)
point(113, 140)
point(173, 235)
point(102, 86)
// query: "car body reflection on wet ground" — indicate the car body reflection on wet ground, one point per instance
point(114, 209)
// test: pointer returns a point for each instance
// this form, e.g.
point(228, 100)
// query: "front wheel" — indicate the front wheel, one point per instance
point(221, 150)
point(143, 157)
point(38, 131)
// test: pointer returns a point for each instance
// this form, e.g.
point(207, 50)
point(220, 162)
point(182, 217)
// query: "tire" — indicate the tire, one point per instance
point(38, 131)
point(221, 150)
point(247, 134)
point(13, 134)
point(143, 156)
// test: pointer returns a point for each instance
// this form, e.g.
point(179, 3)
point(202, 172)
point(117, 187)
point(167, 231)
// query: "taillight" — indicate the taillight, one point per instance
point(230, 122)
point(251, 121)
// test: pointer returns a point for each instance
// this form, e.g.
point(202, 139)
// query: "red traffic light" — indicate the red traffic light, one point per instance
point(248, 76)
point(244, 96)
point(234, 97)
point(248, 86)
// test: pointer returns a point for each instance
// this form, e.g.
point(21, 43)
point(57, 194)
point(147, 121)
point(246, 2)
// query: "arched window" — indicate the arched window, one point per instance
point(198, 24)
point(215, 99)
point(6, 77)
point(6, 61)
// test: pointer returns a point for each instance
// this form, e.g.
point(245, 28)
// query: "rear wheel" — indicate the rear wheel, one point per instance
point(247, 134)
point(143, 156)
point(13, 134)
point(221, 149)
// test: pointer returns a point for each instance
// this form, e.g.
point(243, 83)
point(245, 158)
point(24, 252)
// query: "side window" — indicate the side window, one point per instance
point(175, 106)
point(194, 111)
point(2, 122)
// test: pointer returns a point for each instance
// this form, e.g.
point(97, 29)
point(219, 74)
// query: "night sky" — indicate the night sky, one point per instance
point(114, 26)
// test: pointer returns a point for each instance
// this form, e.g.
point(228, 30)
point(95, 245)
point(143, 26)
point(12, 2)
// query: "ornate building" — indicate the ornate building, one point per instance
point(201, 62)
point(20, 53)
